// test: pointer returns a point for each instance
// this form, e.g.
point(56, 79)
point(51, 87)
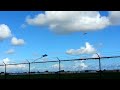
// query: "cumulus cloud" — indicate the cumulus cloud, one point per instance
point(88, 49)
point(6, 60)
point(11, 67)
point(5, 31)
point(114, 17)
point(45, 58)
point(80, 65)
point(17, 42)
point(10, 51)
point(56, 66)
point(70, 21)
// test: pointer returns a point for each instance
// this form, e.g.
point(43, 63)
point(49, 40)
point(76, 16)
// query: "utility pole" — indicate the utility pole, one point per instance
point(99, 65)
point(29, 68)
point(59, 67)
point(5, 70)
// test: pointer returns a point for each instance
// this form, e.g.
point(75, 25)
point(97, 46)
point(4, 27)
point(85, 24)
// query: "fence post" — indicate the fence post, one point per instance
point(59, 67)
point(99, 65)
point(5, 69)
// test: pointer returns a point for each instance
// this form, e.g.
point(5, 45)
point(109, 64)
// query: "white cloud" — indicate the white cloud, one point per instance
point(12, 67)
point(80, 65)
point(56, 66)
point(38, 20)
point(45, 58)
point(114, 17)
point(10, 51)
point(70, 21)
point(88, 49)
point(6, 60)
point(17, 42)
point(5, 31)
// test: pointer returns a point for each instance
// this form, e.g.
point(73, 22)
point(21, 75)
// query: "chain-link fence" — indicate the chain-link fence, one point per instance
point(59, 67)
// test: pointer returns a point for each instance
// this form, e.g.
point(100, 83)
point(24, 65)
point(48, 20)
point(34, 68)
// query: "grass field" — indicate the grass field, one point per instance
point(105, 75)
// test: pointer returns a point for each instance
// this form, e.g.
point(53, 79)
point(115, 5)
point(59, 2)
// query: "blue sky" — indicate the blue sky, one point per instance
point(41, 36)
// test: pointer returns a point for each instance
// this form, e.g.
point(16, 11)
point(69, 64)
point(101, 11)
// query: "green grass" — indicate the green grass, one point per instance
point(105, 75)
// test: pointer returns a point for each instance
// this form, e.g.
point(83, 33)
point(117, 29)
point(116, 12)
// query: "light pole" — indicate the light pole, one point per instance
point(29, 68)
point(99, 65)
point(59, 67)
point(45, 55)
point(5, 69)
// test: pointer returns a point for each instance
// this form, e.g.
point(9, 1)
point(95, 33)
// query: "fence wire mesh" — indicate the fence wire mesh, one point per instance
point(59, 66)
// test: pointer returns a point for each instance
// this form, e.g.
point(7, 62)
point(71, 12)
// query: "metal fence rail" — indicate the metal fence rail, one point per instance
point(58, 61)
